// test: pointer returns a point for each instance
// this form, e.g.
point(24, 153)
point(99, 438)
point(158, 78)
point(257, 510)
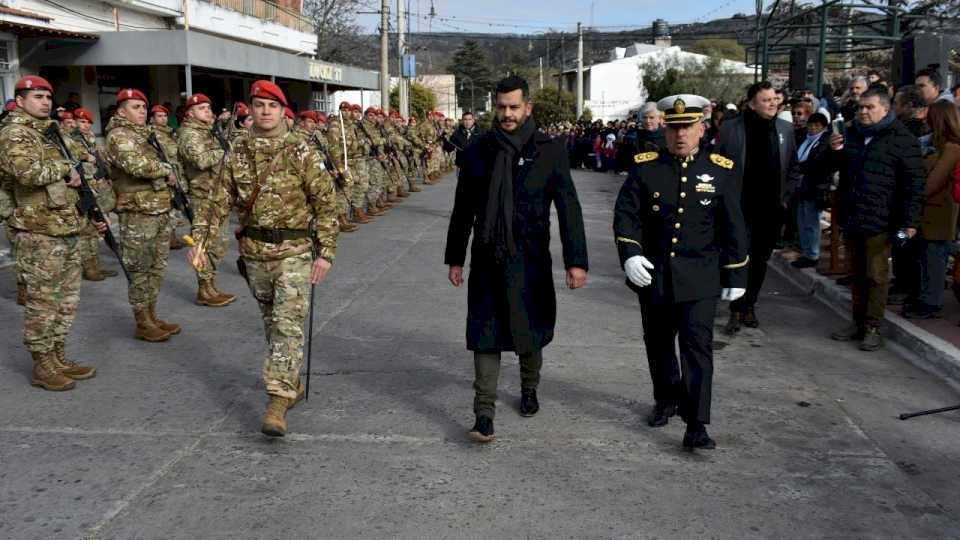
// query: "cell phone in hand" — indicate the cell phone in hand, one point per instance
point(838, 125)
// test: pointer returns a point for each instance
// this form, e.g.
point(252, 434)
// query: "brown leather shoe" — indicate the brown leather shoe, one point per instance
point(376, 211)
point(360, 216)
point(403, 194)
point(345, 225)
point(207, 295)
point(147, 330)
point(91, 269)
point(275, 418)
point(46, 375)
point(226, 297)
point(171, 328)
point(175, 241)
point(71, 369)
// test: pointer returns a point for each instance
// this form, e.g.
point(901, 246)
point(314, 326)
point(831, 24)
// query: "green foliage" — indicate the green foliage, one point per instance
point(719, 48)
point(710, 79)
point(422, 100)
point(485, 120)
point(551, 105)
point(472, 68)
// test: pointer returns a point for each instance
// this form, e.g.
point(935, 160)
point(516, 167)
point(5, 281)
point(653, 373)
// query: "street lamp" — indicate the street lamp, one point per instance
point(472, 104)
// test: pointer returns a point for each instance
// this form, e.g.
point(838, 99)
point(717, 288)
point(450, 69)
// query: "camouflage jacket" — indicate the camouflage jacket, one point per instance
point(44, 202)
point(354, 146)
point(395, 138)
point(428, 133)
point(412, 134)
point(298, 193)
point(200, 157)
point(369, 133)
point(7, 182)
point(139, 177)
point(82, 142)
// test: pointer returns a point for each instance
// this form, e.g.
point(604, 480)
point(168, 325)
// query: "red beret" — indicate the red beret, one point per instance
point(131, 93)
point(394, 114)
point(307, 115)
point(197, 99)
point(356, 107)
point(158, 109)
point(32, 82)
point(242, 110)
point(371, 110)
point(345, 105)
point(10, 105)
point(321, 117)
point(268, 90)
point(65, 115)
point(288, 112)
point(82, 114)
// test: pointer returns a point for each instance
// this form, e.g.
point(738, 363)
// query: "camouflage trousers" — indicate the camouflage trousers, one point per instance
point(343, 201)
point(360, 174)
point(377, 178)
point(282, 290)
point(49, 266)
point(215, 248)
point(106, 197)
point(89, 242)
point(12, 238)
point(145, 245)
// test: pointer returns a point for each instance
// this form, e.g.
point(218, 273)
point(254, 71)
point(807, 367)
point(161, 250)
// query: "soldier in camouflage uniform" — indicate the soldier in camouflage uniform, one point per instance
point(428, 132)
point(48, 226)
point(159, 125)
point(287, 207)
point(375, 157)
point(319, 139)
point(396, 146)
point(201, 157)
point(142, 183)
point(418, 147)
point(83, 146)
point(7, 204)
point(347, 152)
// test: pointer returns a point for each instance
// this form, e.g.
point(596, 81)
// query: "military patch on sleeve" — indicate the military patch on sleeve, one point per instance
point(645, 157)
point(721, 161)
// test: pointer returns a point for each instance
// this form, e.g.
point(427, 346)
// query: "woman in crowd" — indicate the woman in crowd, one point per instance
point(813, 159)
point(938, 220)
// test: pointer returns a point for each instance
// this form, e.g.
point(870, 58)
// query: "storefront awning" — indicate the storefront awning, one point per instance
point(179, 47)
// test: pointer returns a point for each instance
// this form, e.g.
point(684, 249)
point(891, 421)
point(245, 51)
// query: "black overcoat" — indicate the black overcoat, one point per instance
point(512, 304)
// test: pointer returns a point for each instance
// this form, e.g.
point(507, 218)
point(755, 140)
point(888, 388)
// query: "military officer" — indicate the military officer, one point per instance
point(682, 243)
point(48, 226)
point(96, 171)
point(288, 239)
point(142, 184)
point(201, 157)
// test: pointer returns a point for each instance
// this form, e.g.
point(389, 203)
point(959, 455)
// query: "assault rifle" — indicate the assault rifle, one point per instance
point(180, 200)
point(87, 205)
point(103, 168)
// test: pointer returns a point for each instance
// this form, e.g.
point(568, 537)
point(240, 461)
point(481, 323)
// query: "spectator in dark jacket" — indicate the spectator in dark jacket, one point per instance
point(816, 177)
point(650, 133)
point(764, 152)
point(882, 179)
point(466, 132)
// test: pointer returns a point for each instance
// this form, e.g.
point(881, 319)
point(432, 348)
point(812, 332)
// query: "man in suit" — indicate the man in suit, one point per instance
point(682, 243)
point(765, 153)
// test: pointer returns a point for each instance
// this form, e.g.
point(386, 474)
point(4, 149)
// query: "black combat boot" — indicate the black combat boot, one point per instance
point(750, 318)
point(696, 437)
point(660, 415)
point(528, 402)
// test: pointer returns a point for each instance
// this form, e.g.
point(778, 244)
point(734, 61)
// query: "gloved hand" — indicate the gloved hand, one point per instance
point(729, 295)
point(636, 269)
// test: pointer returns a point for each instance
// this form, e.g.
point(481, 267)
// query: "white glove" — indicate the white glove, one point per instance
point(636, 269)
point(729, 295)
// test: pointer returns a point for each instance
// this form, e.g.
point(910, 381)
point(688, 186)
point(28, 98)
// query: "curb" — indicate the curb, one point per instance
point(921, 348)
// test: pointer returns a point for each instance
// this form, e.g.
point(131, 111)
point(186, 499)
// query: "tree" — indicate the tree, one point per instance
point(551, 106)
point(712, 78)
point(422, 100)
point(719, 48)
point(471, 67)
point(338, 34)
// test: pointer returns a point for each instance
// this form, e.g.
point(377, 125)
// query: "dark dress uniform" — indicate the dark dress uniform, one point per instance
point(683, 215)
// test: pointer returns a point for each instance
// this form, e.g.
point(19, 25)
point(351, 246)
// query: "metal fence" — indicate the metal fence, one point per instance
point(268, 11)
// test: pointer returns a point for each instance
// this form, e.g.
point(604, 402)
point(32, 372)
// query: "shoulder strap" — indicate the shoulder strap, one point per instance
point(261, 181)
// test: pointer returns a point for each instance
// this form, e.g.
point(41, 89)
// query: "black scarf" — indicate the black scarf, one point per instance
point(873, 129)
point(497, 229)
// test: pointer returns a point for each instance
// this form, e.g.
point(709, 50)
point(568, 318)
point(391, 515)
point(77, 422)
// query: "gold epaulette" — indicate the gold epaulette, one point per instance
point(721, 161)
point(645, 157)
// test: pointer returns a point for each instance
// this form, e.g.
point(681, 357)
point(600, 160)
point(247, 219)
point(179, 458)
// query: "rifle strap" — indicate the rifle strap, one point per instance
point(261, 181)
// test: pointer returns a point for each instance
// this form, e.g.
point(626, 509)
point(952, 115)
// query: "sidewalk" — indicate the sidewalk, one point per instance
point(931, 344)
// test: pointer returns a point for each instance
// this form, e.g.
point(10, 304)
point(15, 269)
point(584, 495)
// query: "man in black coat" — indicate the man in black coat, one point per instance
point(509, 178)
point(765, 153)
point(682, 243)
point(466, 132)
point(882, 178)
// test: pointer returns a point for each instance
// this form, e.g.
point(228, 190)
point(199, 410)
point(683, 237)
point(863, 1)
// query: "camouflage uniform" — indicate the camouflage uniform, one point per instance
point(200, 156)
point(344, 185)
point(48, 227)
point(428, 132)
point(374, 151)
point(296, 199)
point(143, 205)
point(397, 148)
point(353, 186)
point(77, 143)
point(7, 204)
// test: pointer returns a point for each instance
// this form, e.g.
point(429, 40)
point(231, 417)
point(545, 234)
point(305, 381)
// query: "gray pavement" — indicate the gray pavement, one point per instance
point(164, 443)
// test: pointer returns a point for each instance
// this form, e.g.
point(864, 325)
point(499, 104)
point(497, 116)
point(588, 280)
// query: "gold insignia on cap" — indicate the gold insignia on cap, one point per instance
point(645, 157)
point(679, 106)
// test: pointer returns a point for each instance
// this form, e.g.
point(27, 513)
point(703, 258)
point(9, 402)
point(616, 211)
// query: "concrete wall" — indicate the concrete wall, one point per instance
point(235, 25)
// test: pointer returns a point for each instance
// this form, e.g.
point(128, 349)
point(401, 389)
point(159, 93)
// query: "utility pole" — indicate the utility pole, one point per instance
point(579, 71)
point(385, 55)
point(401, 52)
point(541, 73)
point(563, 61)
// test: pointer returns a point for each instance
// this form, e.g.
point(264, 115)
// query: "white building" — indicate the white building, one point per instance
point(611, 90)
point(169, 49)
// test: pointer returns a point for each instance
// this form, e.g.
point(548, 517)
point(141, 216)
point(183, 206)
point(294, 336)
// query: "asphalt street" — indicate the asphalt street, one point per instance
point(165, 442)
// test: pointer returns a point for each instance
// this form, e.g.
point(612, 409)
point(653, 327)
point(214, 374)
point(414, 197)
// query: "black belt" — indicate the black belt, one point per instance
point(274, 236)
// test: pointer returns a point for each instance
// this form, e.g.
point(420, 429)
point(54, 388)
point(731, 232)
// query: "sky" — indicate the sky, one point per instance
point(536, 16)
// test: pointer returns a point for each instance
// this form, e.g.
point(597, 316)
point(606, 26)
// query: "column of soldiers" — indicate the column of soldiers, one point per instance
point(331, 173)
